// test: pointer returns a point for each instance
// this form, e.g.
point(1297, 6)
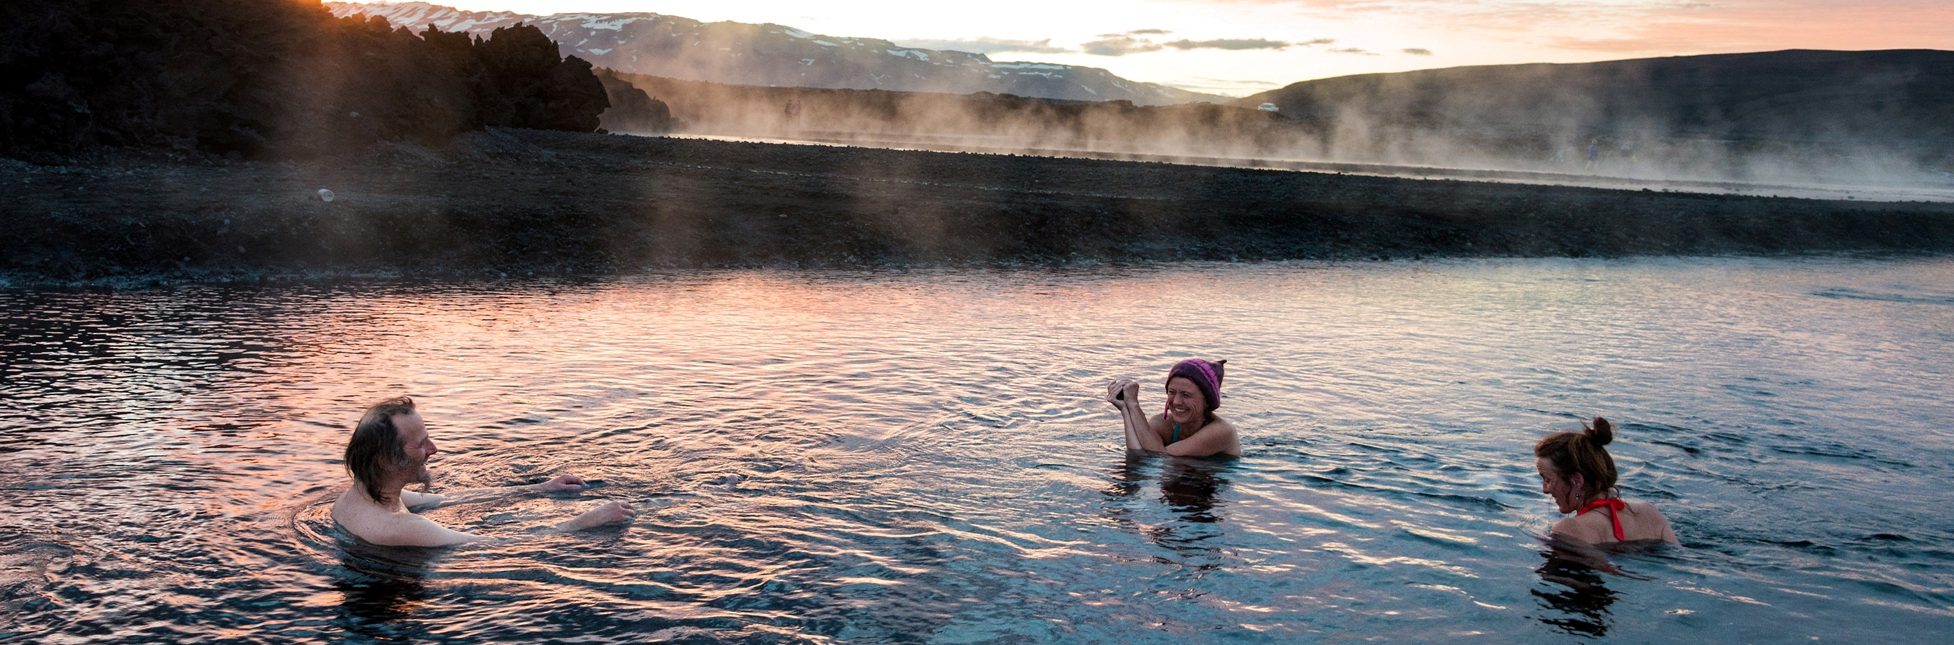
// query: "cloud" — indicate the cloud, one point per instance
point(1332, 7)
point(987, 45)
point(1119, 45)
point(1136, 42)
point(1232, 44)
point(1751, 25)
point(1224, 86)
point(1663, 27)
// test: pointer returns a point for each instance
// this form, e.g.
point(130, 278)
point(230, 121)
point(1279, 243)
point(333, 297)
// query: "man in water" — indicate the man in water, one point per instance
point(389, 450)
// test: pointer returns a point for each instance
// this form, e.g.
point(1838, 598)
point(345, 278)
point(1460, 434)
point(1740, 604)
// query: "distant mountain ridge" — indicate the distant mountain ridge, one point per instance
point(776, 55)
point(1793, 95)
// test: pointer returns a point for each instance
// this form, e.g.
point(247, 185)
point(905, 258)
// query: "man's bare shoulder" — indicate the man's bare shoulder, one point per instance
point(387, 527)
point(345, 508)
point(357, 515)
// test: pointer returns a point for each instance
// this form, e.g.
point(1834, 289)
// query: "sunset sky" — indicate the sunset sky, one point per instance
point(1238, 47)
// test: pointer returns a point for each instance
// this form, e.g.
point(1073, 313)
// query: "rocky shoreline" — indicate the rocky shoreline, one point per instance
point(527, 202)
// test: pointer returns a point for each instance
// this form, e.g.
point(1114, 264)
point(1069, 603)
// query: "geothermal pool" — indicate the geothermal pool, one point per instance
point(923, 455)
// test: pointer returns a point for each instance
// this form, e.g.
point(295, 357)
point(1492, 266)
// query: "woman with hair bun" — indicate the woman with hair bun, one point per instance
point(1576, 470)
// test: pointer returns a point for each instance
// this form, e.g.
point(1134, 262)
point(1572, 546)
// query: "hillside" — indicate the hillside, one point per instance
point(1873, 111)
point(984, 121)
point(778, 55)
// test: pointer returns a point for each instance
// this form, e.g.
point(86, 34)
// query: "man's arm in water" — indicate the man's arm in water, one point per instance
point(408, 529)
point(418, 502)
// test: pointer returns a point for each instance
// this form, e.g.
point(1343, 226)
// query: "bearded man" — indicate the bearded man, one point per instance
point(389, 450)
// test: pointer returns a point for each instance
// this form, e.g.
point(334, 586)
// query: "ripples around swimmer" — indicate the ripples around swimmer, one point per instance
point(853, 456)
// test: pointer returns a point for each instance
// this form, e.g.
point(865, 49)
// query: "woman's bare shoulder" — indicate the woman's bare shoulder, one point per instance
point(1582, 528)
point(1657, 523)
point(1643, 508)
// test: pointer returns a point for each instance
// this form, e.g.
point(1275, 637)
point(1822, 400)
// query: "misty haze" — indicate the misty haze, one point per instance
point(1866, 124)
point(625, 321)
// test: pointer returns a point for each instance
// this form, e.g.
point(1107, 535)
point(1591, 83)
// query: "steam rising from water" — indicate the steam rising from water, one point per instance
point(1623, 130)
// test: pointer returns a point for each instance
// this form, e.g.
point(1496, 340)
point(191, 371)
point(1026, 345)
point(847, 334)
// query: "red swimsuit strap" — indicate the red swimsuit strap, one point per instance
point(1614, 506)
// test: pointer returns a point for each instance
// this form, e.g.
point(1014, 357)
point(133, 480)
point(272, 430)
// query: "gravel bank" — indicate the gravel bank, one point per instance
point(516, 201)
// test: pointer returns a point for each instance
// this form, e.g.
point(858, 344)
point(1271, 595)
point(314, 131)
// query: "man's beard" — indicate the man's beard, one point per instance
point(418, 473)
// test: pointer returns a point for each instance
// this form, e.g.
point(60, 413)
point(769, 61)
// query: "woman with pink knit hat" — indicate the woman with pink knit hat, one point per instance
point(1187, 426)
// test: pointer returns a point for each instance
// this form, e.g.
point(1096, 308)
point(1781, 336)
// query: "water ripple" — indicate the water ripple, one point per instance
point(855, 456)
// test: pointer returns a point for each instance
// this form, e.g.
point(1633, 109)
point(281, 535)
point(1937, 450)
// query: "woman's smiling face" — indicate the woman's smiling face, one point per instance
point(1185, 404)
point(1566, 495)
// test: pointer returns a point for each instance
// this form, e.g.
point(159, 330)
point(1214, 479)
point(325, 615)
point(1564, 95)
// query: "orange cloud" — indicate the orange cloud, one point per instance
point(1668, 26)
point(1736, 27)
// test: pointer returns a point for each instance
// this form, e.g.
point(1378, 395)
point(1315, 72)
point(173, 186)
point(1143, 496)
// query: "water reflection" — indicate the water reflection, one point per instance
point(1574, 592)
point(1189, 486)
point(1576, 576)
point(902, 480)
point(1188, 489)
point(379, 586)
point(377, 601)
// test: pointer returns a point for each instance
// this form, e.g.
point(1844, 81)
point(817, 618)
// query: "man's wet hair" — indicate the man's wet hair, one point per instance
point(375, 447)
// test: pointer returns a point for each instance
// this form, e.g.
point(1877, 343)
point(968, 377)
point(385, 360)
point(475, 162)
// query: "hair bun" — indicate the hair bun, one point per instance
point(1601, 432)
point(1220, 371)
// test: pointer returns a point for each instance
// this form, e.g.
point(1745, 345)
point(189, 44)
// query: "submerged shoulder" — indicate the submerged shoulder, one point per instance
point(1643, 508)
point(1582, 528)
point(408, 529)
point(1646, 514)
point(1651, 522)
point(357, 516)
point(350, 508)
point(387, 527)
point(1217, 437)
point(1226, 434)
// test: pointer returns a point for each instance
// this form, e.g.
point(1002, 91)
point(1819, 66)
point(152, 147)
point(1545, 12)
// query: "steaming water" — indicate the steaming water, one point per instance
point(1910, 186)
point(924, 456)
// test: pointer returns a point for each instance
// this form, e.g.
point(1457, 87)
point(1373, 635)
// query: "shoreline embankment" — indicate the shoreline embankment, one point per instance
point(522, 201)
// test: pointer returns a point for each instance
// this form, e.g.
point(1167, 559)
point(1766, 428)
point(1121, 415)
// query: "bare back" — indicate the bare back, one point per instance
point(1640, 523)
